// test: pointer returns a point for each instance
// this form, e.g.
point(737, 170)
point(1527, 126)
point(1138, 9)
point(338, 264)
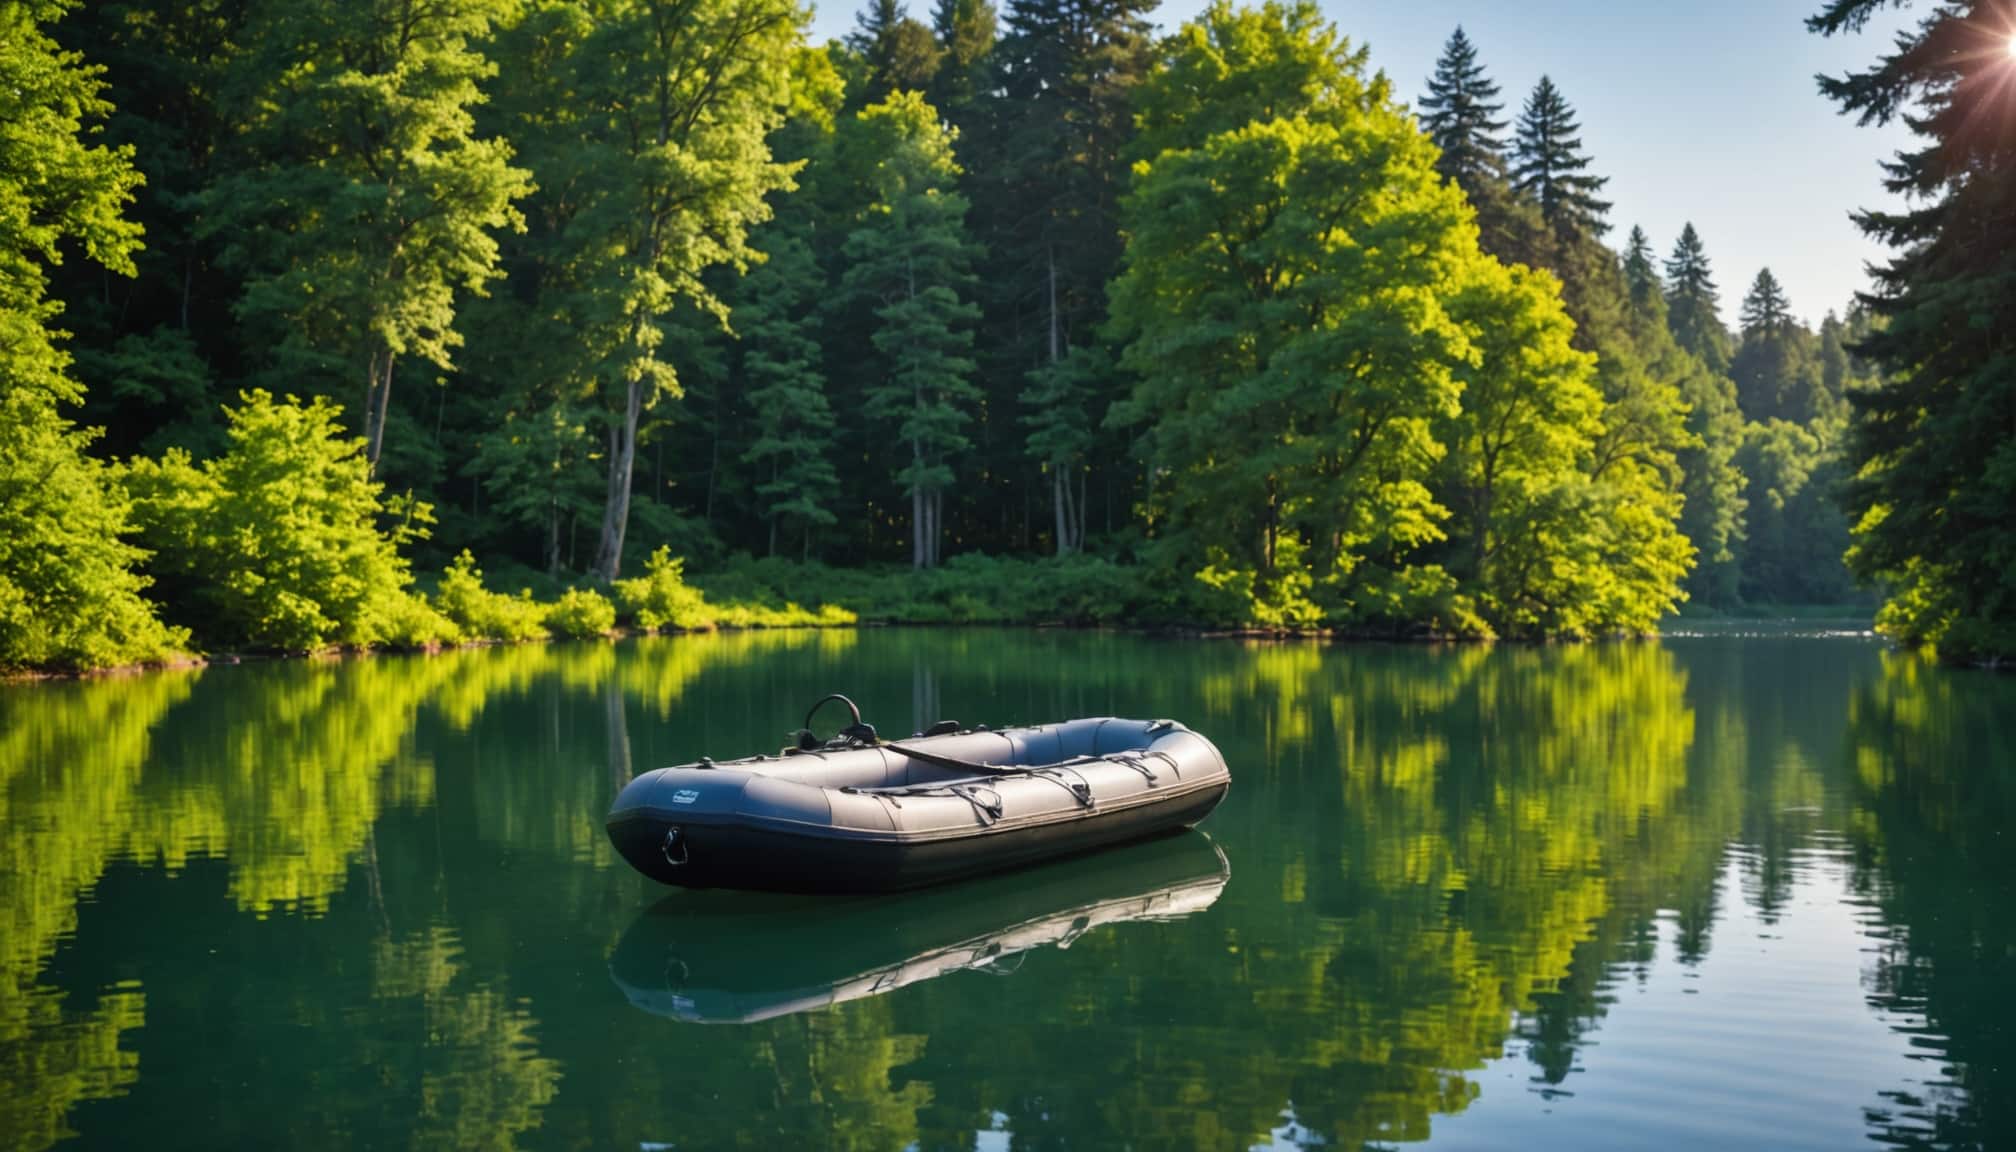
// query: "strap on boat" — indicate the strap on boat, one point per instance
point(1079, 788)
point(1134, 760)
point(988, 811)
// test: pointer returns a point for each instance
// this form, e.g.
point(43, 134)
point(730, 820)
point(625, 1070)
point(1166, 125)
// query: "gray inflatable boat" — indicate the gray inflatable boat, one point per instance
point(860, 814)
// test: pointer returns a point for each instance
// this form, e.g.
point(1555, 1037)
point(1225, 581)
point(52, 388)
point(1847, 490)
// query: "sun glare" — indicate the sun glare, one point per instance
point(2011, 45)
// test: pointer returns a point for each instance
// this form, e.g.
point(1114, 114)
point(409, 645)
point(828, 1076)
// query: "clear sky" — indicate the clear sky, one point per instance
point(1701, 110)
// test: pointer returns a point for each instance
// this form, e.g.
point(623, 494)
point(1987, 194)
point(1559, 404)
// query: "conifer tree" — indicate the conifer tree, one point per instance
point(1066, 71)
point(908, 256)
point(1765, 308)
point(1460, 115)
point(369, 203)
point(1641, 276)
point(69, 598)
point(784, 386)
point(1711, 485)
point(1461, 108)
point(966, 31)
point(1934, 495)
point(1549, 165)
point(899, 53)
point(1692, 303)
point(1776, 368)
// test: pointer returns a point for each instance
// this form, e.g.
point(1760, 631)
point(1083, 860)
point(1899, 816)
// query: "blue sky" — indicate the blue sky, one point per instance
point(1701, 110)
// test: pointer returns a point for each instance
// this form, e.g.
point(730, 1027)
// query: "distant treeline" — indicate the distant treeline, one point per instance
point(586, 279)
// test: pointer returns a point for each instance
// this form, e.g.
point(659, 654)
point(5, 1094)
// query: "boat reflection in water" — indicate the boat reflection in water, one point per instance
point(730, 958)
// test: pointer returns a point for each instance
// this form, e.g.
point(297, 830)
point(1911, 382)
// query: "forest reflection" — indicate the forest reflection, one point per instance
point(379, 889)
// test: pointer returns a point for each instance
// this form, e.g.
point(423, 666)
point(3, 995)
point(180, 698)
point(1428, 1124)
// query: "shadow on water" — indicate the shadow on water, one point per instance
point(379, 891)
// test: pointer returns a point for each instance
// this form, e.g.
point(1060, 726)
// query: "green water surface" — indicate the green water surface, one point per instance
point(1728, 891)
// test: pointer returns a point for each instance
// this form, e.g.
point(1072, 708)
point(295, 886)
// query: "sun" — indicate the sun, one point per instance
point(2010, 45)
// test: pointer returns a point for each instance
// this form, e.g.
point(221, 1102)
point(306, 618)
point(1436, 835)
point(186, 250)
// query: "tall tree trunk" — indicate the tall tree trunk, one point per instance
point(1060, 486)
point(379, 400)
point(553, 537)
point(916, 527)
point(622, 459)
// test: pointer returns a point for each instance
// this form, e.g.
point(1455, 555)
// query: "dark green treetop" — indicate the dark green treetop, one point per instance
point(1548, 164)
point(1460, 114)
point(1692, 301)
point(900, 52)
point(1765, 307)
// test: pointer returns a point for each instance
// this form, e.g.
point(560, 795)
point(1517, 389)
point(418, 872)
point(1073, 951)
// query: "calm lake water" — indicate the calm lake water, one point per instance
point(1729, 891)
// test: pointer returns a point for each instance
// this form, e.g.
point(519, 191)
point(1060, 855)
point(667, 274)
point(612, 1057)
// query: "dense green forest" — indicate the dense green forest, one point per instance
point(1030, 314)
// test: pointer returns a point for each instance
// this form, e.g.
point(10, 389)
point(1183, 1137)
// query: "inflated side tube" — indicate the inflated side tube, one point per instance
point(886, 815)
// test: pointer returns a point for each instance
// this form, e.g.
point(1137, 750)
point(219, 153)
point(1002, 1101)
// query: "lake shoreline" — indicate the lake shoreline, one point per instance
point(339, 653)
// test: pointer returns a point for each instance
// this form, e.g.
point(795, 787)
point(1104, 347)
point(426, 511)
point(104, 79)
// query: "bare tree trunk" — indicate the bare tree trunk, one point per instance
point(622, 459)
point(553, 537)
point(378, 401)
point(1060, 484)
point(916, 526)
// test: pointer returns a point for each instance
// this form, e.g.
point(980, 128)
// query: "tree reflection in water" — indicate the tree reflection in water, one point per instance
point(379, 891)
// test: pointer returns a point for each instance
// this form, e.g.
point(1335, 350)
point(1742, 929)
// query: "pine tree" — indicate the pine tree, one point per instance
point(1461, 110)
point(69, 597)
point(1692, 303)
point(1548, 164)
point(1641, 276)
point(966, 31)
point(782, 383)
point(1777, 367)
point(368, 203)
point(1049, 193)
point(899, 53)
point(1765, 308)
point(909, 257)
point(1711, 485)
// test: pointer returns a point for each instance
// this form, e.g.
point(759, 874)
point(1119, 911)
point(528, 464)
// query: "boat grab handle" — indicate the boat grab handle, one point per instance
point(673, 840)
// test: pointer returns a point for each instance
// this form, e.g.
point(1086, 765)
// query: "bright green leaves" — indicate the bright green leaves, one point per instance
point(1352, 414)
point(1282, 302)
point(369, 202)
point(647, 121)
point(68, 596)
point(278, 542)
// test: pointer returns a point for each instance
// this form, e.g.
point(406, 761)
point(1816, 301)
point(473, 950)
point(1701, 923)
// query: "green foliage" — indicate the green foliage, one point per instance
point(1525, 544)
point(1460, 114)
point(1549, 165)
point(785, 386)
point(1691, 302)
point(908, 256)
point(967, 589)
point(1286, 330)
point(278, 542)
point(661, 598)
point(69, 599)
point(581, 614)
point(368, 200)
point(1796, 535)
point(480, 614)
point(647, 123)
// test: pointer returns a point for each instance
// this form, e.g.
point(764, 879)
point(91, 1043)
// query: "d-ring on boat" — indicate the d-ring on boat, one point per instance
point(859, 814)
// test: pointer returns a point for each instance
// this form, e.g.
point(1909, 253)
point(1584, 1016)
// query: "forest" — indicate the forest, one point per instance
point(668, 318)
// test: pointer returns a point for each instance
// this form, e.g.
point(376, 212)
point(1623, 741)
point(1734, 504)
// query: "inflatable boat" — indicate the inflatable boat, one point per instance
point(711, 958)
point(860, 814)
